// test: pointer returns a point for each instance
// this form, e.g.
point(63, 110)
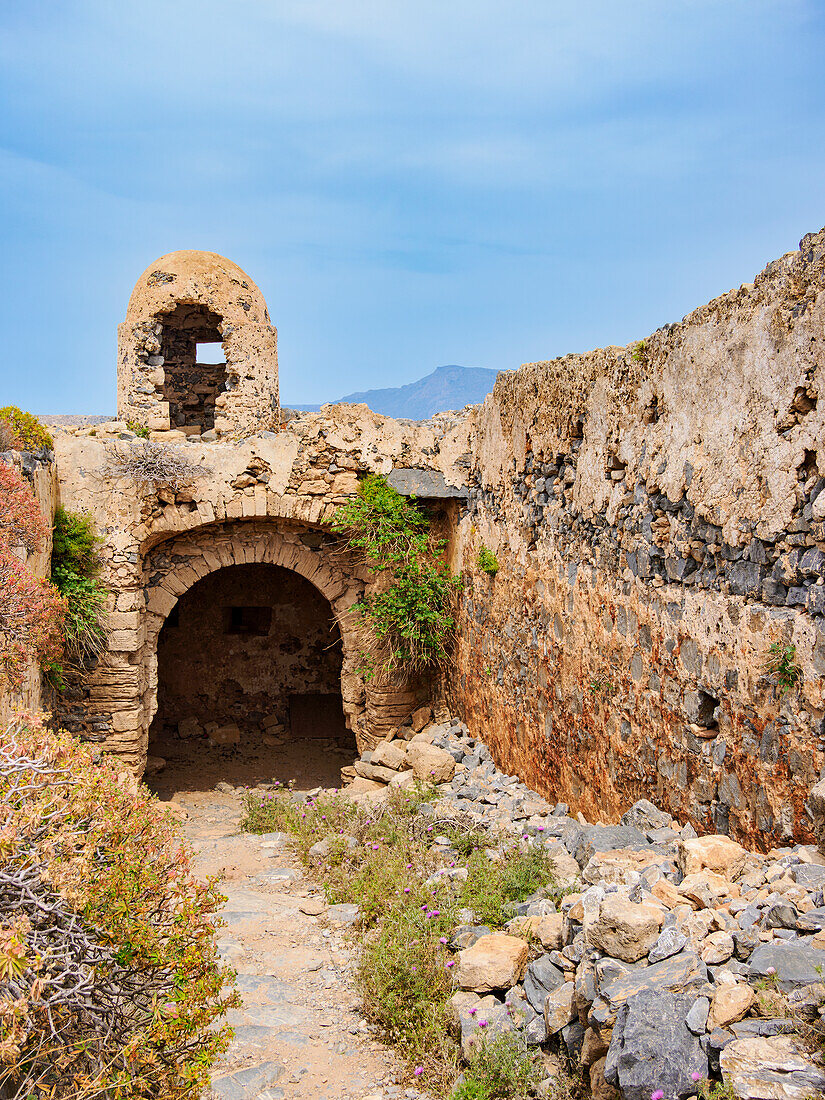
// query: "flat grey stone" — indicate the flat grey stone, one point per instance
point(415, 481)
point(540, 979)
point(249, 1084)
point(697, 1016)
point(652, 1048)
point(794, 964)
point(342, 914)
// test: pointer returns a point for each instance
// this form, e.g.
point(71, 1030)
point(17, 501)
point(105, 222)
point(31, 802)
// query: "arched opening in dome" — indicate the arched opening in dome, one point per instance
point(194, 365)
point(249, 684)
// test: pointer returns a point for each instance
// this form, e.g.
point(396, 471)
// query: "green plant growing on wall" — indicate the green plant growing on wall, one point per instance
point(601, 685)
point(138, 429)
point(411, 616)
point(75, 569)
point(488, 562)
point(639, 354)
point(781, 663)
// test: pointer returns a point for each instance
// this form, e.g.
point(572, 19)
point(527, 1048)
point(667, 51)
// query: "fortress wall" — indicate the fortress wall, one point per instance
point(659, 515)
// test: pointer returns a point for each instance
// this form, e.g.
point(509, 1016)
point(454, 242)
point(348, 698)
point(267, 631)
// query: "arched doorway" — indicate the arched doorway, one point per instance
point(249, 683)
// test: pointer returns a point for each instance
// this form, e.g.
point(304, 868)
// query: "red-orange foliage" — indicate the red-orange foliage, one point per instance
point(31, 610)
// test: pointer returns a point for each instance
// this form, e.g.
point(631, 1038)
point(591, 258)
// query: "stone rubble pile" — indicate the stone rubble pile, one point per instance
point(671, 959)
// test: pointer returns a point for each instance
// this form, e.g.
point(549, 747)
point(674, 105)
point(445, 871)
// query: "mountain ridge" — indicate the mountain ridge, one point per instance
point(447, 387)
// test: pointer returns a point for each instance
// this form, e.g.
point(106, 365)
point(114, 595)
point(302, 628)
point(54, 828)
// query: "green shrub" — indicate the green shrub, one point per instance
point(411, 619)
point(110, 981)
point(488, 562)
point(501, 1068)
point(493, 887)
point(22, 432)
point(75, 567)
point(138, 429)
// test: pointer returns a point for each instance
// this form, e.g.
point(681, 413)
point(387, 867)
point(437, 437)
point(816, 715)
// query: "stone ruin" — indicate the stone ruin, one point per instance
point(657, 510)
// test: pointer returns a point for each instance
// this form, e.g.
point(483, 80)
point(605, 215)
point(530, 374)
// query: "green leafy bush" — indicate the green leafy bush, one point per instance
point(501, 1068)
point(75, 567)
point(488, 562)
point(110, 982)
point(492, 888)
point(411, 618)
point(138, 429)
point(22, 432)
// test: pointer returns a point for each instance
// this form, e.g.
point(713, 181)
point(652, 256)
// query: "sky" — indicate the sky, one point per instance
point(409, 182)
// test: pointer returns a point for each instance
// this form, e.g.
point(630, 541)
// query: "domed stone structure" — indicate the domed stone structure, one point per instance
point(196, 352)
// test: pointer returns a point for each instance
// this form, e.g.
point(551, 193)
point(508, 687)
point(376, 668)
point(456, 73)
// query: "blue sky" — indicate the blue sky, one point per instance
point(410, 183)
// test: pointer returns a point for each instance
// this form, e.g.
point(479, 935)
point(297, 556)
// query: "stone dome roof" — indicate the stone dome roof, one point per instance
point(202, 277)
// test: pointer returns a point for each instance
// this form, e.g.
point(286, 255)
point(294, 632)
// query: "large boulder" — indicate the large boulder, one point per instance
point(652, 1048)
point(606, 838)
point(790, 965)
point(645, 816)
point(390, 754)
point(712, 853)
point(430, 764)
point(624, 929)
point(730, 1005)
point(540, 979)
point(677, 975)
point(770, 1068)
point(493, 962)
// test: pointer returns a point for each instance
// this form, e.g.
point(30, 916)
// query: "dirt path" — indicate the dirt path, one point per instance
point(298, 1035)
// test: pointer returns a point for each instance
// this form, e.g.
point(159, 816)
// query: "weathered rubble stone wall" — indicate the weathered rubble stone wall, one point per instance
point(267, 499)
point(248, 397)
point(41, 474)
point(659, 515)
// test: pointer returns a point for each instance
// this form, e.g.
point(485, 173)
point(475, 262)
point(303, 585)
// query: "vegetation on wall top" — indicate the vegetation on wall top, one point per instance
point(152, 465)
point(410, 617)
point(20, 431)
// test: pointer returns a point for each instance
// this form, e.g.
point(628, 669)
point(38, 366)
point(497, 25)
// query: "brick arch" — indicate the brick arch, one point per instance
point(177, 564)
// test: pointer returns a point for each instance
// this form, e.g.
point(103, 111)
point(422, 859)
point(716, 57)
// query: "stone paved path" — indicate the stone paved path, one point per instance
point(298, 1035)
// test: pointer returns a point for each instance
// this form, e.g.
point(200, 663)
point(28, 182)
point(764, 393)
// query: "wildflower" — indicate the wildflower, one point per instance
point(443, 939)
point(406, 889)
point(657, 1095)
point(696, 1076)
point(449, 963)
point(483, 1023)
point(418, 1071)
point(472, 1011)
point(771, 970)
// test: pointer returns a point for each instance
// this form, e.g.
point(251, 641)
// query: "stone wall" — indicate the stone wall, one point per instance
point(267, 499)
point(659, 515)
point(41, 474)
point(181, 298)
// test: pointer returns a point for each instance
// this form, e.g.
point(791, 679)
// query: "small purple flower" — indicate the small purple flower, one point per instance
point(657, 1095)
point(406, 889)
point(449, 964)
point(696, 1076)
point(443, 939)
point(771, 970)
point(472, 1011)
point(418, 1071)
point(483, 1023)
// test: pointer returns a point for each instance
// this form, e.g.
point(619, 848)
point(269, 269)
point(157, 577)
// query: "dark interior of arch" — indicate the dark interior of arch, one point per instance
point(190, 387)
point(249, 680)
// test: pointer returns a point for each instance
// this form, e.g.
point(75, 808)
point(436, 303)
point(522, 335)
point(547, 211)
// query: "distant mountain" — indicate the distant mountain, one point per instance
point(450, 387)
